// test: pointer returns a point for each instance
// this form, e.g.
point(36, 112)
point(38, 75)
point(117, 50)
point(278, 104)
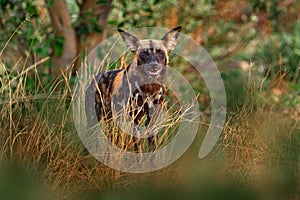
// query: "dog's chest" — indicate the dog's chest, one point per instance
point(147, 95)
point(114, 89)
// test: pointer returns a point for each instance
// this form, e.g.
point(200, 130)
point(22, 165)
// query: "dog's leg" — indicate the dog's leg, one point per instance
point(152, 137)
point(152, 142)
point(153, 116)
point(137, 141)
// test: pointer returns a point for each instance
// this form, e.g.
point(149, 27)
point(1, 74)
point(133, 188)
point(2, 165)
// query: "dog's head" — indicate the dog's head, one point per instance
point(152, 55)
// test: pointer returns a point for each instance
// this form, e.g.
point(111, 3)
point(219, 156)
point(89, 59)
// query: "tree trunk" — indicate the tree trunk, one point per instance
point(77, 40)
point(98, 17)
point(62, 27)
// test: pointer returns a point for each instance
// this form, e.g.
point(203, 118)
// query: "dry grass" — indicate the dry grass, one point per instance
point(38, 134)
point(261, 144)
point(259, 147)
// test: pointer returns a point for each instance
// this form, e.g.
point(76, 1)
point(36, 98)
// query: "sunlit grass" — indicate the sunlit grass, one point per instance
point(259, 147)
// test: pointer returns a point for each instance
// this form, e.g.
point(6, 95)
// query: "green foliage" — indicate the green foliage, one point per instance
point(31, 37)
point(227, 35)
point(15, 12)
point(236, 91)
point(73, 9)
point(59, 45)
point(84, 28)
point(103, 1)
point(281, 54)
point(132, 14)
point(272, 8)
point(268, 6)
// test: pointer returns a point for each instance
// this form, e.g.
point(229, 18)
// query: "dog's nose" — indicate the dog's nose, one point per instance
point(153, 64)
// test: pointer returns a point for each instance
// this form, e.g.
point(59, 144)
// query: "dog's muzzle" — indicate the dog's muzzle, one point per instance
point(154, 69)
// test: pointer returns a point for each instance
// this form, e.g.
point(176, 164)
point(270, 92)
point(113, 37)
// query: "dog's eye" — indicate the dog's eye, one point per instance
point(144, 53)
point(160, 52)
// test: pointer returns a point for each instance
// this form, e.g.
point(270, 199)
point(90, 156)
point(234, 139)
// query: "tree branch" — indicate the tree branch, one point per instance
point(62, 26)
point(78, 3)
point(100, 12)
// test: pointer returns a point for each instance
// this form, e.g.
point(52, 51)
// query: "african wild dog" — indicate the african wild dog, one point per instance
point(140, 85)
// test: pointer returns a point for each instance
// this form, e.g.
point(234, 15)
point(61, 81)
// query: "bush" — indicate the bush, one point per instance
point(280, 55)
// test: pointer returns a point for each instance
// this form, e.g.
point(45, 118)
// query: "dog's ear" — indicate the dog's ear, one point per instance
point(171, 38)
point(130, 40)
